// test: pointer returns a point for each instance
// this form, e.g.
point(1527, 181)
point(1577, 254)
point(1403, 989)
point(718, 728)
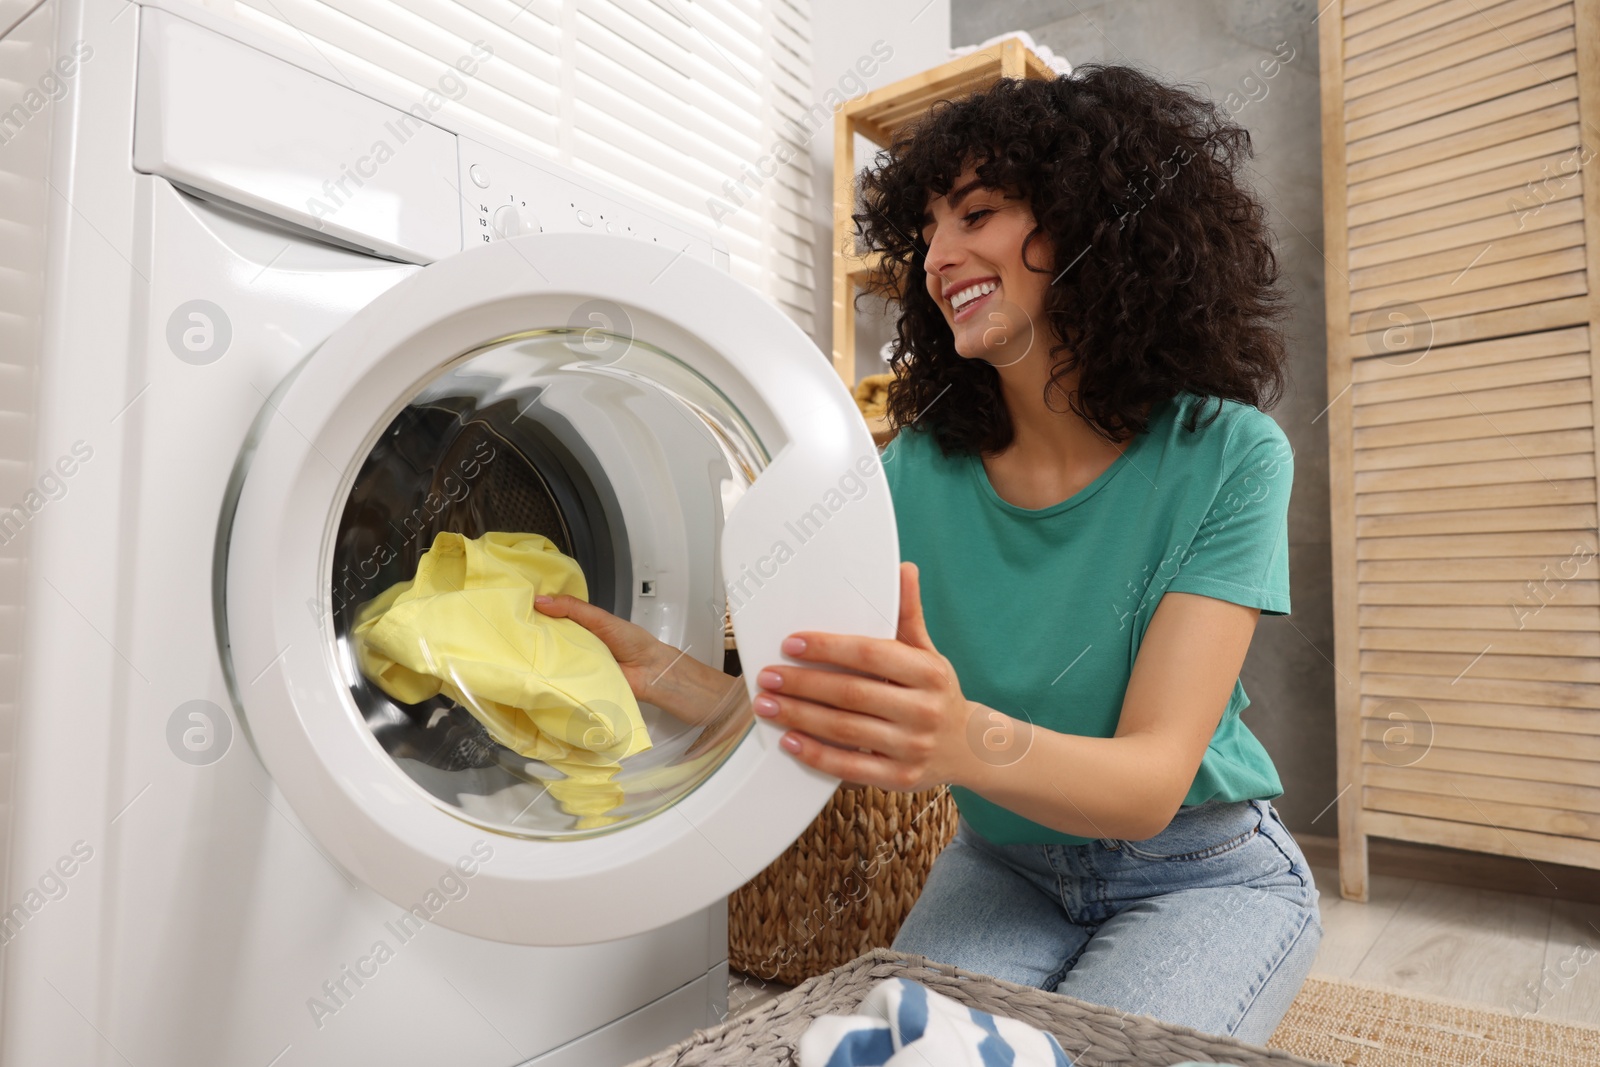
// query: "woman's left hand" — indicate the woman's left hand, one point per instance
point(913, 721)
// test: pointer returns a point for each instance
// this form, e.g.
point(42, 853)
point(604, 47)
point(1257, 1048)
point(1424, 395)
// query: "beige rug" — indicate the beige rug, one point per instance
point(1343, 1022)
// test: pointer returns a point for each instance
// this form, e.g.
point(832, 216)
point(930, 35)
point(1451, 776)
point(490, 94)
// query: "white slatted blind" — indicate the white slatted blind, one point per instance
point(668, 100)
point(26, 55)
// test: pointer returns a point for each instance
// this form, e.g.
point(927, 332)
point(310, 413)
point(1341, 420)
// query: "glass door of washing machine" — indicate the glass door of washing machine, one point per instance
point(555, 413)
point(574, 459)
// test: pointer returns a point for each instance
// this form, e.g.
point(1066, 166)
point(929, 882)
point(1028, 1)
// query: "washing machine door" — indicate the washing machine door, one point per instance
point(660, 427)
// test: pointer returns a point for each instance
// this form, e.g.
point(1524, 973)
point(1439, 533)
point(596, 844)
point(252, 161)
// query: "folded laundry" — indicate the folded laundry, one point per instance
point(901, 1023)
point(547, 688)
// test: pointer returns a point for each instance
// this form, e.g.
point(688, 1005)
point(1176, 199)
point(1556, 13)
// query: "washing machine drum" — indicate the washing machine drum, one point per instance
point(604, 446)
point(677, 440)
point(448, 467)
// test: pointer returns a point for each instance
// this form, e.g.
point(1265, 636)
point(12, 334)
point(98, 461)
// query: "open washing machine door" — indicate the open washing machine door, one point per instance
point(664, 426)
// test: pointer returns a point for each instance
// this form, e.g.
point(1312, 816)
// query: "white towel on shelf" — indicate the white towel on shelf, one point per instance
point(901, 1023)
point(1056, 63)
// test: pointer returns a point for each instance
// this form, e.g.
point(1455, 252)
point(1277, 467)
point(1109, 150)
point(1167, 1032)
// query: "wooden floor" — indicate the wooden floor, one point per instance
point(1524, 955)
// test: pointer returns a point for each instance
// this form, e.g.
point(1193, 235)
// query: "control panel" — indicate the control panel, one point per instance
point(503, 196)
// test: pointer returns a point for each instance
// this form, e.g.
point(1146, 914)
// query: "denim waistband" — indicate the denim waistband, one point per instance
point(1238, 846)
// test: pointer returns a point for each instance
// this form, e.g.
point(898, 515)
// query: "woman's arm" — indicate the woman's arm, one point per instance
point(693, 691)
point(1129, 786)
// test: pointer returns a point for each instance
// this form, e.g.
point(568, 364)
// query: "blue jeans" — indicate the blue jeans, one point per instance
point(1212, 923)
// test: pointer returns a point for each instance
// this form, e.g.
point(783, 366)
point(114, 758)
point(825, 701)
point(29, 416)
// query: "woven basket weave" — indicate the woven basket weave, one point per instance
point(1092, 1035)
point(843, 887)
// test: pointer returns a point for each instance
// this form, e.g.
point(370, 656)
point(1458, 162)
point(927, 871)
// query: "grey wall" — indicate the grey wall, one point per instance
point(1214, 46)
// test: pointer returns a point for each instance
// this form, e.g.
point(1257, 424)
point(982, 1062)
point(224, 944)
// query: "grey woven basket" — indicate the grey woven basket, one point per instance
point(1092, 1035)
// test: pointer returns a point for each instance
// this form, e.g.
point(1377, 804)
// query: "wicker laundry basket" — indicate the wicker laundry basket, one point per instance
point(1091, 1035)
point(843, 888)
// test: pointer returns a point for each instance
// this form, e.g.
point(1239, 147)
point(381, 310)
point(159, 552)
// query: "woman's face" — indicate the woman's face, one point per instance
point(976, 274)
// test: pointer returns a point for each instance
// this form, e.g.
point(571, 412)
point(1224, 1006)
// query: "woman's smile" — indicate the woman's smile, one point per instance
point(964, 297)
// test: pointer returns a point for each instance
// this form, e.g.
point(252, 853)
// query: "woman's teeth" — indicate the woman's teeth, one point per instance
point(968, 295)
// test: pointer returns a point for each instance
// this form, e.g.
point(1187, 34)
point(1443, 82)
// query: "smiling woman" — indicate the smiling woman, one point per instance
point(1092, 509)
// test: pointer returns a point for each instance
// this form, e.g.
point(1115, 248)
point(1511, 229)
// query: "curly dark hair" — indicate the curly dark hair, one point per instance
point(1168, 281)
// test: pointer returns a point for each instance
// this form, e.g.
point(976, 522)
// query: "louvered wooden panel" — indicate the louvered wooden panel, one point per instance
point(1453, 44)
point(1529, 642)
point(1558, 795)
point(1504, 716)
point(1463, 299)
point(1496, 813)
point(1556, 618)
point(1457, 590)
point(1447, 239)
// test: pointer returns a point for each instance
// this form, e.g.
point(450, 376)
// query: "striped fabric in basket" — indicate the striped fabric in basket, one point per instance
point(900, 1023)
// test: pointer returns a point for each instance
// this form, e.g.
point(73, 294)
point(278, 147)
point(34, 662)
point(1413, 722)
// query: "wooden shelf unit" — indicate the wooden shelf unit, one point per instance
point(1461, 199)
point(878, 116)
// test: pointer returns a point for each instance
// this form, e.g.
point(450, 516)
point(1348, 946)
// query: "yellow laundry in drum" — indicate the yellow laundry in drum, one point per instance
point(546, 688)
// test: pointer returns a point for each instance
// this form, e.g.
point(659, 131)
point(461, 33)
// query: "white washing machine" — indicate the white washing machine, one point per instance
point(242, 391)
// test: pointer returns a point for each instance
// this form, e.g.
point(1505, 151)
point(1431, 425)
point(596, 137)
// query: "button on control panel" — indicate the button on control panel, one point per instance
point(506, 197)
point(508, 220)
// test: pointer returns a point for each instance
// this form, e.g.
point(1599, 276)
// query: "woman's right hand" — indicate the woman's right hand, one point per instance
point(658, 674)
point(642, 657)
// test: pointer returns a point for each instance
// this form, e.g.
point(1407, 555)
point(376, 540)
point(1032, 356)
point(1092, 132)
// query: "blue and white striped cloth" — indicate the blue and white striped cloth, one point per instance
point(901, 1023)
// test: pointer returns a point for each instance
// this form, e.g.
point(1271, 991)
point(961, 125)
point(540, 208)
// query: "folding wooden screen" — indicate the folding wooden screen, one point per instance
point(1462, 208)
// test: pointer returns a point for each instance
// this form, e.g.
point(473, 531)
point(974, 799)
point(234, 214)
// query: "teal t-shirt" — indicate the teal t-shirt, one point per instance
point(1041, 611)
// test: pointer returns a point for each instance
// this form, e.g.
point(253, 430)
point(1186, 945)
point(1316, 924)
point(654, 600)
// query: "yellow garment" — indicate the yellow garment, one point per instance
point(545, 687)
point(872, 395)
